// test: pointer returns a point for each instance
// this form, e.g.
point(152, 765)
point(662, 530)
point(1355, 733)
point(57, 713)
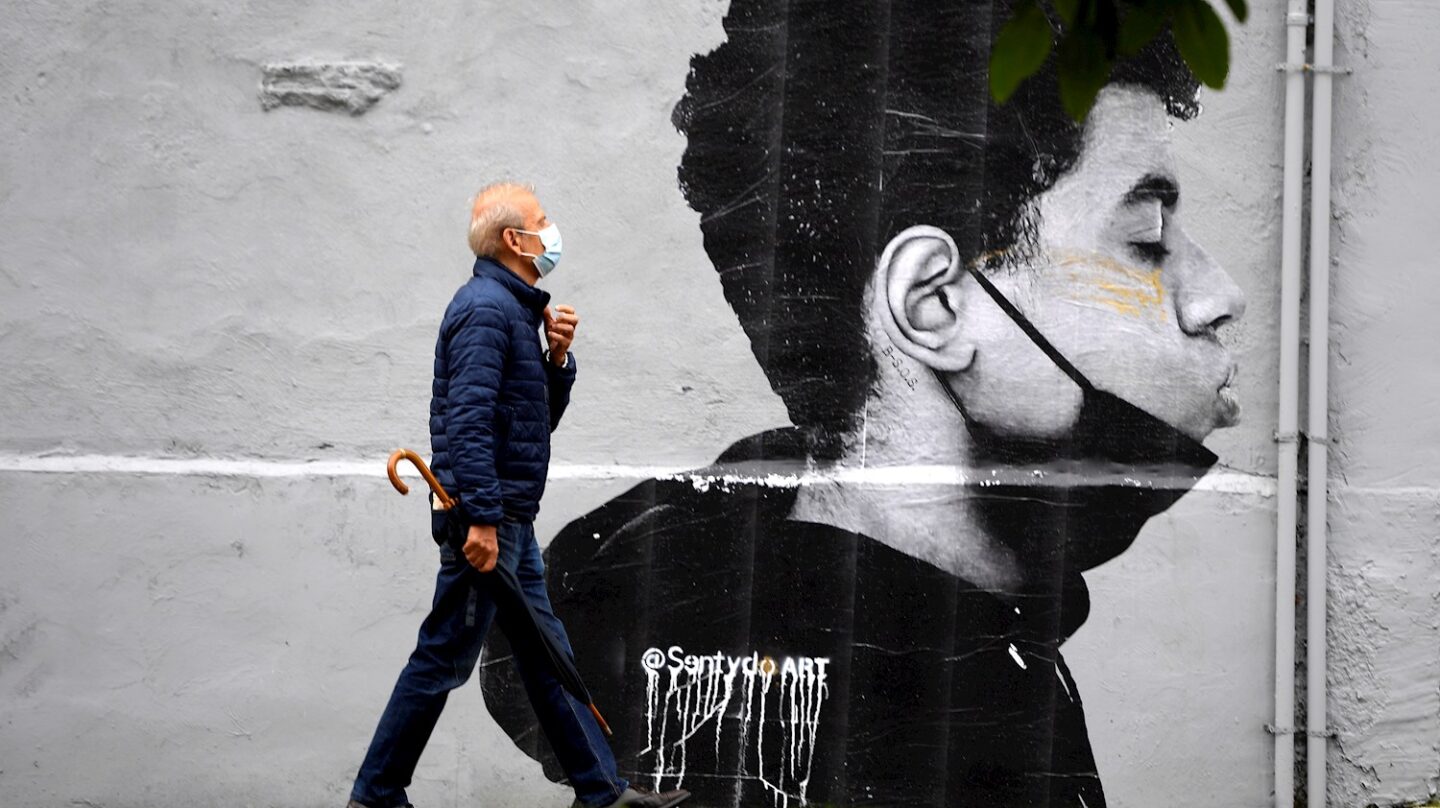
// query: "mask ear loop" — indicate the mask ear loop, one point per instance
point(528, 233)
point(1031, 331)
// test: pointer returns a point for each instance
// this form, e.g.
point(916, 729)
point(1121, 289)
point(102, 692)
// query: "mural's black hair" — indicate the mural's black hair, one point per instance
point(821, 128)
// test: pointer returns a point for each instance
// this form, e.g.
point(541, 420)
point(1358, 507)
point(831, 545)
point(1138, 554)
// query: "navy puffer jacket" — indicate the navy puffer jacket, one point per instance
point(496, 398)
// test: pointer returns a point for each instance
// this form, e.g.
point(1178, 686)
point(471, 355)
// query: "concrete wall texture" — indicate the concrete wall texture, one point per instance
point(227, 234)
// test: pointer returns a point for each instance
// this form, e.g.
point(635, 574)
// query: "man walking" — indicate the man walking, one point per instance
point(496, 398)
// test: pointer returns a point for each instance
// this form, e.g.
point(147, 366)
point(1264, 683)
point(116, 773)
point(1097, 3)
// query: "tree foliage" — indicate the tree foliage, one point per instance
point(1092, 35)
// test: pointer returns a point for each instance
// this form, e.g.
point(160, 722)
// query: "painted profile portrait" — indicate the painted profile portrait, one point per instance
point(998, 349)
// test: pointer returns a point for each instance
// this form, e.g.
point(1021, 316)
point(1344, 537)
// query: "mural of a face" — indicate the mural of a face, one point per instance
point(1117, 286)
point(886, 236)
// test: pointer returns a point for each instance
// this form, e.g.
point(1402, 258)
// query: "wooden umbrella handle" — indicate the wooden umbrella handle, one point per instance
point(405, 454)
point(600, 719)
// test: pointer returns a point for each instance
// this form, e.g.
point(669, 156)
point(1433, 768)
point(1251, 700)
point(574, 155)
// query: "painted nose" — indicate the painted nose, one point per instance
point(1208, 297)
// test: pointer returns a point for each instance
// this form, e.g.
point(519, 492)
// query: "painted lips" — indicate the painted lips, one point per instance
point(1227, 403)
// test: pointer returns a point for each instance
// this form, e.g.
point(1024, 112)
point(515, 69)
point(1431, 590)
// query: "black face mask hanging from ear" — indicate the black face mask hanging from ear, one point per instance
point(1118, 467)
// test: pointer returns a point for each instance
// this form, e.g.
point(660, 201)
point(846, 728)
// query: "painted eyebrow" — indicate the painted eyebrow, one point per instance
point(1156, 187)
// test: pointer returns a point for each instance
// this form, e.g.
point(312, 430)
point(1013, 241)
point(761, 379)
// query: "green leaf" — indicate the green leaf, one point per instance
point(1068, 10)
point(1140, 25)
point(1203, 43)
point(1083, 71)
point(1020, 50)
point(1237, 7)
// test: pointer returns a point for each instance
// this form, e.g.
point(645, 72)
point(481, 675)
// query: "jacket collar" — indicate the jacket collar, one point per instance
point(529, 296)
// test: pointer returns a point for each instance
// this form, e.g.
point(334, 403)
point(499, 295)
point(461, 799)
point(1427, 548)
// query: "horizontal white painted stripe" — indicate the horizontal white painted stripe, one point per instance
point(226, 467)
point(778, 475)
point(892, 476)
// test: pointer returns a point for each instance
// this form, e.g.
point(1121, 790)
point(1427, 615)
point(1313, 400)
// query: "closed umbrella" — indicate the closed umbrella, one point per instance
point(505, 588)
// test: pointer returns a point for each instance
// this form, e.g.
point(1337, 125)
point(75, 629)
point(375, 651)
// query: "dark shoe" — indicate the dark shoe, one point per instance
point(358, 804)
point(644, 798)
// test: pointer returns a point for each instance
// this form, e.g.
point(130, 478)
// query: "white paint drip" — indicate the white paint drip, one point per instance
point(698, 693)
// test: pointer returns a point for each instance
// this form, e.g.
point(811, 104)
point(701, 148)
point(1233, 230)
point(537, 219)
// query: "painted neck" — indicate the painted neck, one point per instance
point(901, 480)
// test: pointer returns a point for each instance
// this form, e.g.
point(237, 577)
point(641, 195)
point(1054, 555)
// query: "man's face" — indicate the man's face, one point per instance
point(535, 220)
point(1118, 287)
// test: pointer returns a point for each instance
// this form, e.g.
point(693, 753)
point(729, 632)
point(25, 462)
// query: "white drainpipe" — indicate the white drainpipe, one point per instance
point(1317, 735)
point(1287, 431)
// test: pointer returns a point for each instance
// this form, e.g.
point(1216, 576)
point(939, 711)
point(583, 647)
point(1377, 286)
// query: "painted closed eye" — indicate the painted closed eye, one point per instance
point(1152, 251)
point(1147, 235)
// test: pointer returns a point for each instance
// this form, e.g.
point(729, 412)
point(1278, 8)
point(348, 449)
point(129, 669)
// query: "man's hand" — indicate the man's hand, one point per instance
point(481, 549)
point(560, 327)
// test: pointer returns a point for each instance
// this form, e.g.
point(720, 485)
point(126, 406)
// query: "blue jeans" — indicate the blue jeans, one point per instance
point(448, 648)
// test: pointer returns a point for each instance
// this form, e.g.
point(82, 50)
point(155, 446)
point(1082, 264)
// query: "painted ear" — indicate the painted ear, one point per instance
point(920, 273)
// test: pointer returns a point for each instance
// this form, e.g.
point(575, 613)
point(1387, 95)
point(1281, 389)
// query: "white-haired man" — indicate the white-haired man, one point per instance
point(497, 396)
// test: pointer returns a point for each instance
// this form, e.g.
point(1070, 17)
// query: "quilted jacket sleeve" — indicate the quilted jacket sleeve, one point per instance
point(560, 381)
point(477, 351)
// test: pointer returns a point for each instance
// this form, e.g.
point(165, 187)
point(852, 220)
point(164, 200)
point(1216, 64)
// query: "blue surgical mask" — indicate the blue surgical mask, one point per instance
point(550, 239)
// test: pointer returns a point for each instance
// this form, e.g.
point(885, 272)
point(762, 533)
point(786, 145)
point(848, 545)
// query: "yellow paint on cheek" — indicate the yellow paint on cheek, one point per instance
point(1126, 289)
point(1146, 294)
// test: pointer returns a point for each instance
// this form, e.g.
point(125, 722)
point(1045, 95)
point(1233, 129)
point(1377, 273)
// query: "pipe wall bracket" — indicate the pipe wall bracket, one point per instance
point(1306, 67)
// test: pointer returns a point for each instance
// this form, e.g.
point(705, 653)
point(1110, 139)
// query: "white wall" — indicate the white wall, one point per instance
point(1385, 506)
point(185, 275)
